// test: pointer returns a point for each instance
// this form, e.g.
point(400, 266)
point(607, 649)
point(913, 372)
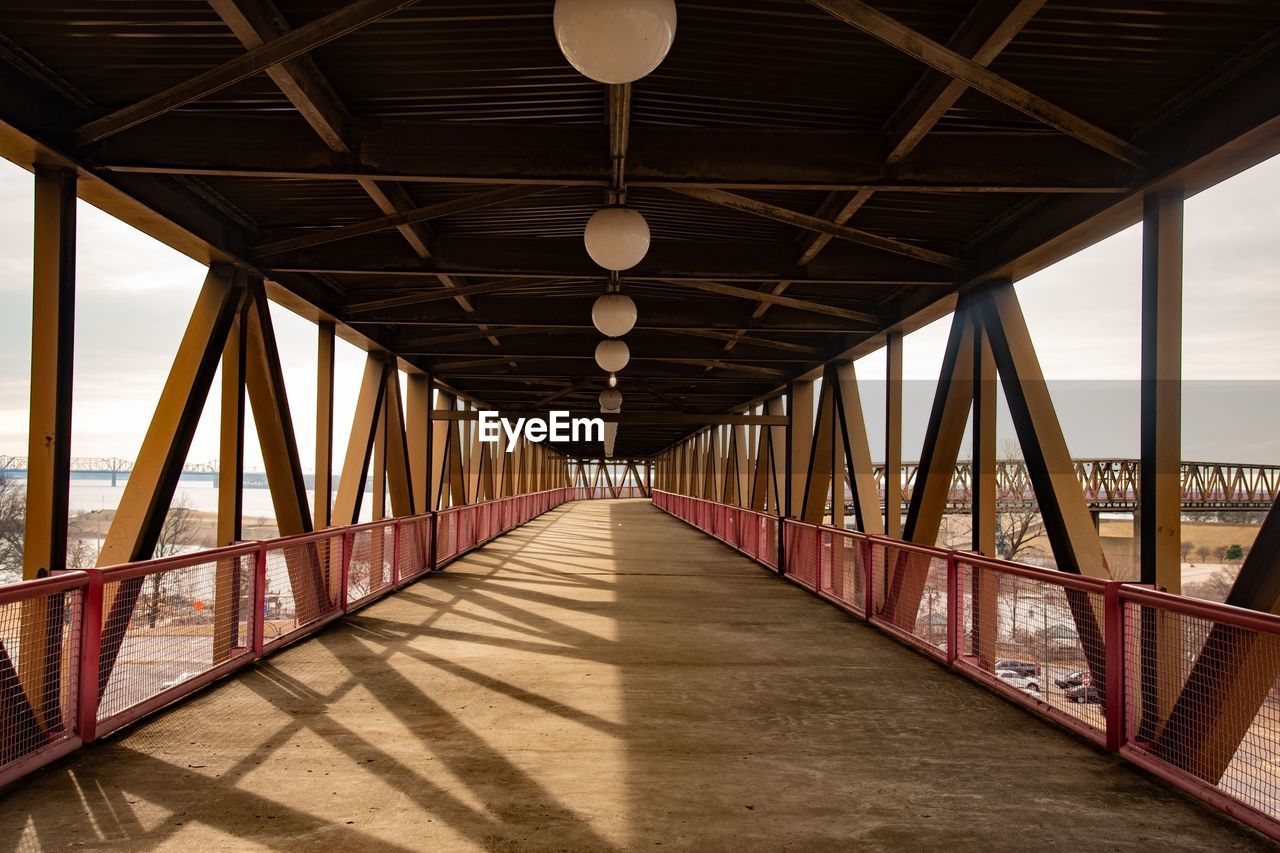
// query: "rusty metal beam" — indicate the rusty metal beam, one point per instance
point(1160, 493)
point(984, 34)
point(295, 43)
point(893, 435)
point(814, 223)
point(476, 201)
point(774, 299)
point(880, 26)
point(364, 425)
point(52, 352)
point(323, 502)
point(264, 381)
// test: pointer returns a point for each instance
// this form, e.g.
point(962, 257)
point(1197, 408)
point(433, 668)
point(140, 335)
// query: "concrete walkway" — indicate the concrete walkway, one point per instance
point(604, 678)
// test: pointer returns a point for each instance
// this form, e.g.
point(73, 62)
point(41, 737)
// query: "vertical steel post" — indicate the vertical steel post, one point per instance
point(322, 510)
point(90, 658)
point(1114, 640)
point(893, 436)
point(259, 618)
point(52, 350)
point(1160, 490)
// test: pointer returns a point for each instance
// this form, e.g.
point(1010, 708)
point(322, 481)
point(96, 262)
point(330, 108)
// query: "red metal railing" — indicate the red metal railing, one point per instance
point(1188, 689)
point(86, 652)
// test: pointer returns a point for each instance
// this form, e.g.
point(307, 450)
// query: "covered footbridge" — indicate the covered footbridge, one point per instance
point(685, 220)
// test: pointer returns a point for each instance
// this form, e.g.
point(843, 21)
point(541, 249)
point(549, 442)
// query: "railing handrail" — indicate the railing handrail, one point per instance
point(56, 582)
point(1214, 611)
point(122, 571)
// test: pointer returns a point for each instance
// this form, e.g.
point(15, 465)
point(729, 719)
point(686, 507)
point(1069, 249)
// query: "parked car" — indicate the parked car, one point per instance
point(1030, 670)
point(1074, 679)
point(1016, 679)
point(1085, 693)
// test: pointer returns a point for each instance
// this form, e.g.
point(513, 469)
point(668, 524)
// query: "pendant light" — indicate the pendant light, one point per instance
point(614, 314)
point(617, 238)
point(612, 355)
point(615, 41)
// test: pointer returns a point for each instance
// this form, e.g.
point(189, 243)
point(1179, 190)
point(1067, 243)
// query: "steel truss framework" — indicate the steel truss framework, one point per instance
point(799, 223)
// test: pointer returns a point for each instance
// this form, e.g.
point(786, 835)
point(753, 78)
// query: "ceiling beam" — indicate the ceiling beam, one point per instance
point(775, 299)
point(440, 152)
point(669, 260)
point(475, 201)
point(293, 44)
point(901, 37)
point(455, 293)
point(983, 34)
point(741, 337)
point(423, 346)
point(260, 22)
point(814, 223)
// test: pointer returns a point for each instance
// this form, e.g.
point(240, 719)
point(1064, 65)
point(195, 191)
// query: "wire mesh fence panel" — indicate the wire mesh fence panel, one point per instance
point(371, 562)
point(302, 583)
point(909, 593)
point(749, 534)
point(844, 570)
point(170, 621)
point(768, 551)
point(40, 623)
point(731, 527)
point(466, 528)
point(1043, 641)
point(1202, 698)
point(446, 536)
point(415, 547)
point(801, 562)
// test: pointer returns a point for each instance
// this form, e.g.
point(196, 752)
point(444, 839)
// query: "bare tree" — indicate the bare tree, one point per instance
point(1216, 587)
point(1018, 528)
point(177, 534)
point(13, 522)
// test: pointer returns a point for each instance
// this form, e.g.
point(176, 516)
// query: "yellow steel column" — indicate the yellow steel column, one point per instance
point(817, 473)
point(1161, 472)
point(227, 576)
point(264, 381)
point(399, 483)
point(984, 445)
point(799, 441)
point(364, 425)
point(380, 454)
point(52, 348)
point(417, 436)
point(893, 436)
point(857, 449)
point(983, 519)
point(439, 451)
point(49, 435)
point(323, 503)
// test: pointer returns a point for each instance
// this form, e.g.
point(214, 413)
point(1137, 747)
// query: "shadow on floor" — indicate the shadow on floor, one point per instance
point(604, 678)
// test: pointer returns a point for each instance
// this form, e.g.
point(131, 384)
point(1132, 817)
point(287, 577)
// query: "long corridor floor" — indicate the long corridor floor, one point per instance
point(603, 678)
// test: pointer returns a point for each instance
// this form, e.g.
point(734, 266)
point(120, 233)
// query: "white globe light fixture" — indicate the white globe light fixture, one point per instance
point(615, 41)
point(613, 380)
point(611, 400)
point(617, 238)
point(614, 314)
point(612, 355)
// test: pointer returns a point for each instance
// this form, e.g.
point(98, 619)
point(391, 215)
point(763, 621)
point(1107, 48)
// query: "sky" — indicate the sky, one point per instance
point(134, 296)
